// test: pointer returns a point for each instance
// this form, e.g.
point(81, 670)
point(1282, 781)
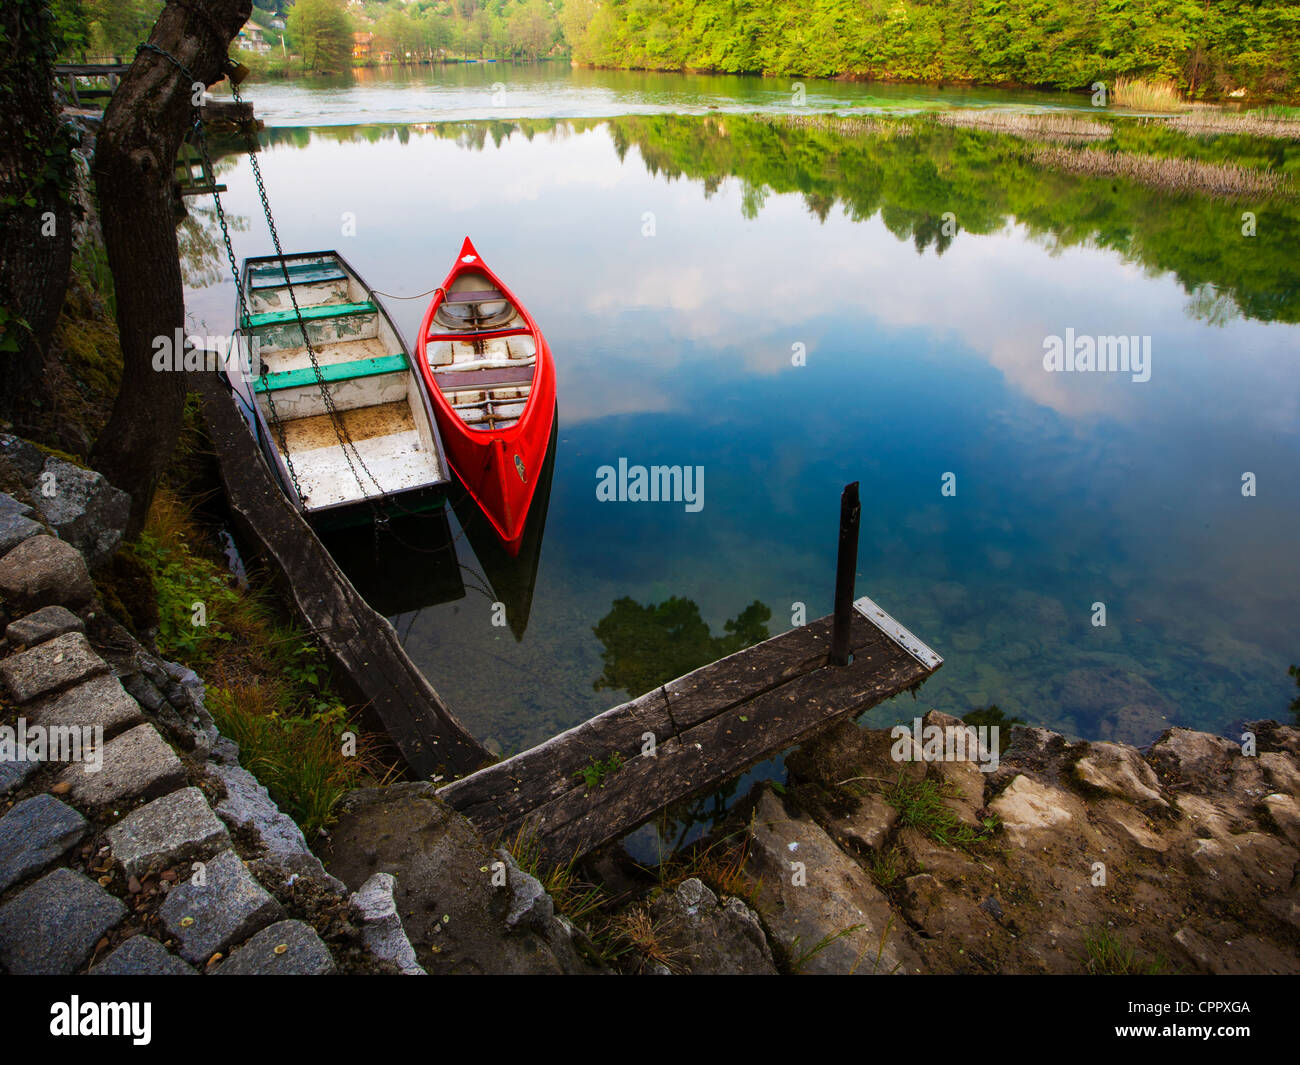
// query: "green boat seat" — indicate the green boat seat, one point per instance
point(310, 314)
point(270, 275)
point(339, 371)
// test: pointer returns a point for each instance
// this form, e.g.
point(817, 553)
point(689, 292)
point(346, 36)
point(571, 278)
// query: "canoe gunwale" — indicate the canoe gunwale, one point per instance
point(529, 436)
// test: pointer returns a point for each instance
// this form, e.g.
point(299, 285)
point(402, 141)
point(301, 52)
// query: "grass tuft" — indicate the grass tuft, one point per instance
point(1108, 955)
point(1143, 95)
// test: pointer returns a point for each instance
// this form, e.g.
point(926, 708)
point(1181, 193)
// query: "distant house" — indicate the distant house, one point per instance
point(361, 42)
point(277, 23)
point(252, 39)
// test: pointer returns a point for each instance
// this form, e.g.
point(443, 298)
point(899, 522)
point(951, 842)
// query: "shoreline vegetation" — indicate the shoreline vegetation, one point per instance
point(1150, 54)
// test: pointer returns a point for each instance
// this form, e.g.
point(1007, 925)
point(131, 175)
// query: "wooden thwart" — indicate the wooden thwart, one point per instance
point(708, 727)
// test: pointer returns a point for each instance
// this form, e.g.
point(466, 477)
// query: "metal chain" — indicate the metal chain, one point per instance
point(201, 141)
point(336, 419)
point(276, 422)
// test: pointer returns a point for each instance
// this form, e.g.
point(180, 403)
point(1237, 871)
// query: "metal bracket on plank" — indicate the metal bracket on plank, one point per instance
point(898, 633)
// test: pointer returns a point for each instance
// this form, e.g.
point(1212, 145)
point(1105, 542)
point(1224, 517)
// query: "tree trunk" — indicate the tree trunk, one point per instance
point(36, 216)
point(134, 162)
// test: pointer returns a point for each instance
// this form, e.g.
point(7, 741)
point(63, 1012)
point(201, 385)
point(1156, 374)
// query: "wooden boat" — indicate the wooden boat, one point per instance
point(379, 451)
point(490, 374)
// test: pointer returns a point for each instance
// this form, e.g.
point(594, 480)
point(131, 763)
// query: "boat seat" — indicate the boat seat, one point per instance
point(485, 295)
point(269, 275)
point(310, 314)
point(460, 380)
point(339, 371)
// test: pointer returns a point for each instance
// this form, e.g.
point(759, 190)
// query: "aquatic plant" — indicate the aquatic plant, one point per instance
point(1144, 95)
point(1062, 128)
point(1225, 180)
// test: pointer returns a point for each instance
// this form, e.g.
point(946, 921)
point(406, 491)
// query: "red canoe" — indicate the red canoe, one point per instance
point(492, 381)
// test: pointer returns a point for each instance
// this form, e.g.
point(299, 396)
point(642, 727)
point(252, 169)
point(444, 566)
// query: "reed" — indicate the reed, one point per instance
point(1212, 123)
point(1224, 180)
point(843, 125)
point(1142, 95)
point(1062, 129)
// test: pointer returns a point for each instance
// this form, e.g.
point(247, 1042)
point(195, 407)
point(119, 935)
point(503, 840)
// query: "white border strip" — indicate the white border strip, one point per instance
point(896, 632)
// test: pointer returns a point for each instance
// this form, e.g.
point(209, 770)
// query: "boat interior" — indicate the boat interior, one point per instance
point(366, 370)
point(482, 353)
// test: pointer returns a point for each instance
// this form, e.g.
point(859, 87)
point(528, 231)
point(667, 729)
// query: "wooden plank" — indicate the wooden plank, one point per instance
point(718, 750)
point(485, 295)
point(309, 314)
point(335, 371)
point(372, 666)
point(91, 70)
point(471, 380)
point(261, 280)
point(782, 687)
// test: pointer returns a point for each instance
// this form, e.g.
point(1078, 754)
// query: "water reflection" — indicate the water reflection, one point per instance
point(677, 349)
point(646, 646)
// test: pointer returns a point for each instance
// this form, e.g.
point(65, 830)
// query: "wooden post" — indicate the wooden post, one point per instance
point(846, 568)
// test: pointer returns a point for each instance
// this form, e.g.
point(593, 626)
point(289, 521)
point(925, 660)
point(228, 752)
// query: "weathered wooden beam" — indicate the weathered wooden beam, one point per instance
point(360, 642)
point(707, 726)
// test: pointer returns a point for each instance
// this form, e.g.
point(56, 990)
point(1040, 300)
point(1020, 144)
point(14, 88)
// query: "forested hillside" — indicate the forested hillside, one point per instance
point(1206, 45)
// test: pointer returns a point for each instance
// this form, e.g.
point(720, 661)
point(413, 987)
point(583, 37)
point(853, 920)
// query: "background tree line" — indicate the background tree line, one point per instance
point(1205, 45)
point(320, 32)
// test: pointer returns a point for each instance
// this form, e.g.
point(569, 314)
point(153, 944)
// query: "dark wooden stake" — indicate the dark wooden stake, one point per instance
point(846, 568)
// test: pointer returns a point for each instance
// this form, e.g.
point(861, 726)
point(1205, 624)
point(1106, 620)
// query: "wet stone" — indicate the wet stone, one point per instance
point(142, 956)
point(229, 906)
point(136, 764)
point(42, 625)
point(33, 834)
point(289, 948)
point(51, 927)
point(168, 829)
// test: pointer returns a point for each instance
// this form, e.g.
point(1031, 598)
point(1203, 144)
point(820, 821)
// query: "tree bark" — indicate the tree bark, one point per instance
point(134, 163)
point(36, 216)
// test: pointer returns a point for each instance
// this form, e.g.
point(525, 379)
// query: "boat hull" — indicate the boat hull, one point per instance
point(500, 468)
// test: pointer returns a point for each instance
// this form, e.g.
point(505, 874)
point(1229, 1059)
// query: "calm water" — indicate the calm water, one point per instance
point(924, 357)
point(464, 91)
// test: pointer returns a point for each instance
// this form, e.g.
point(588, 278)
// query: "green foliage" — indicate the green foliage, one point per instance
point(320, 31)
point(648, 645)
point(185, 585)
point(594, 774)
point(268, 685)
point(1108, 955)
point(920, 805)
point(1065, 43)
